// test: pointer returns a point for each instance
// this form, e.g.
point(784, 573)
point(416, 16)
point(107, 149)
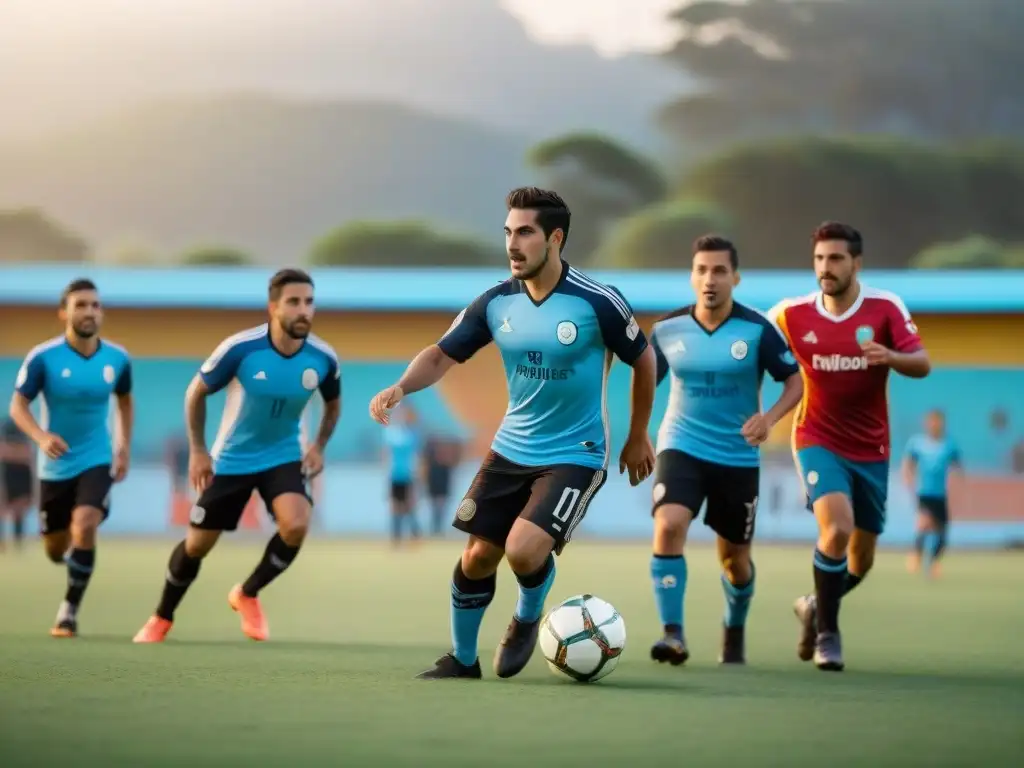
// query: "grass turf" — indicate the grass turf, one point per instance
point(935, 670)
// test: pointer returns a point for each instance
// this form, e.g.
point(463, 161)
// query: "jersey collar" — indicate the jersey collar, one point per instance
point(819, 304)
point(561, 279)
point(711, 331)
point(99, 346)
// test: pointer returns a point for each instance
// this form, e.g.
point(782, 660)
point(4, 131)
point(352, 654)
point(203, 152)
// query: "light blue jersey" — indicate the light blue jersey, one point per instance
point(933, 460)
point(556, 364)
point(716, 381)
point(267, 395)
point(403, 450)
point(76, 394)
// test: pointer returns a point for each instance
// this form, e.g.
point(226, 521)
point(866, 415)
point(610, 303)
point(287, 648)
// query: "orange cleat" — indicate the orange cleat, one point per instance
point(64, 629)
point(153, 631)
point(254, 623)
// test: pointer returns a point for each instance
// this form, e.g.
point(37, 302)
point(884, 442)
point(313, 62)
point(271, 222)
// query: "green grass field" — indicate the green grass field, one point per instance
point(935, 671)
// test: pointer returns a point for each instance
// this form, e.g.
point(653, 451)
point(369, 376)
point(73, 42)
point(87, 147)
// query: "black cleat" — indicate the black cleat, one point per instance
point(448, 667)
point(806, 610)
point(671, 648)
point(732, 646)
point(828, 652)
point(516, 647)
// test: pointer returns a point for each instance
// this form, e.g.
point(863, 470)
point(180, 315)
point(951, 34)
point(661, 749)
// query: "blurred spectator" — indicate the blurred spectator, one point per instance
point(401, 448)
point(16, 458)
point(441, 455)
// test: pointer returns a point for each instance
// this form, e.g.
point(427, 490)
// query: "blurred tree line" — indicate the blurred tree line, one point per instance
point(902, 117)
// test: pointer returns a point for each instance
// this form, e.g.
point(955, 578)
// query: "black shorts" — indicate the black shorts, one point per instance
point(59, 498)
point(16, 481)
point(730, 492)
point(400, 491)
point(936, 507)
point(439, 482)
point(221, 505)
point(554, 497)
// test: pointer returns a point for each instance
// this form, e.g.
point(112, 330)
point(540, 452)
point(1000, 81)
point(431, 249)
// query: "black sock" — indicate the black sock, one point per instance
point(538, 577)
point(939, 543)
point(276, 559)
point(80, 563)
point(852, 580)
point(829, 583)
point(919, 542)
point(181, 572)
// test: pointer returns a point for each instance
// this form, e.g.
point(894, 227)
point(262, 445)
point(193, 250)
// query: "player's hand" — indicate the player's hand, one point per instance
point(383, 402)
point(875, 353)
point(638, 457)
point(200, 470)
point(313, 462)
point(121, 461)
point(756, 430)
point(53, 446)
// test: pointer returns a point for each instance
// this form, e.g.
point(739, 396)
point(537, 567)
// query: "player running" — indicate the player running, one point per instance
point(717, 352)
point(76, 374)
point(846, 338)
point(928, 461)
point(554, 328)
point(270, 372)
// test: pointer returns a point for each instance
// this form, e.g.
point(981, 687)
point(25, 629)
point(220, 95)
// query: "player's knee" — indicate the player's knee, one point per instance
point(528, 547)
point(480, 558)
point(55, 550)
point(293, 531)
point(736, 565)
point(199, 542)
point(671, 523)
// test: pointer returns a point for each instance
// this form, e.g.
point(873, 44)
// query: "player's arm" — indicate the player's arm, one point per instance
point(468, 334)
point(622, 335)
point(125, 421)
point(661, 368)
point(330, 393)
point(778, 361)
point(907, 356)
point(30, 382)
point(214, 374)
point(908, 468)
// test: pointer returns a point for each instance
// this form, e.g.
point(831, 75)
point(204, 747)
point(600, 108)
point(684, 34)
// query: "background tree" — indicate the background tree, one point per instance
point(601, 181)
point(975, 252)
point(29, 235)
point(400, 244)
point(933, 68)
point(661, 236)
point(215, 256)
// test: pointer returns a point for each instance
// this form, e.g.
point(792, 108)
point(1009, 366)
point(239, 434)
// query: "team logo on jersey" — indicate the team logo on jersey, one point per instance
point(535, 358)
point(865, 333)
point(466, 510)
point(811, 337)
point(506, 326)
point(738, 350)
point(632, 329)
point(310, 379)
point(566, 332)
point(66, 373)
point(108, 374)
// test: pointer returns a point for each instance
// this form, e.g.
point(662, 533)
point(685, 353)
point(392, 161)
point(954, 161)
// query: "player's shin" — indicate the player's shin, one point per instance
point(738, 594)
point(278, 555)
point(470, 598)
point(829, 584)
point(938, 543)
point(181, 572)
point(533, 591)
point(668, 575)
point(80, 564)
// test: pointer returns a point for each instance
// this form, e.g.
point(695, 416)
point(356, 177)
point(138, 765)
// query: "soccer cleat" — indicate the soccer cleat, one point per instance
point(732, 646)
point(806, 611)
point(448, 668)
point(153, 631)
point(671, 648)
point(254, 623)
point(828, 652)
point(65, 628)
point(516, 647)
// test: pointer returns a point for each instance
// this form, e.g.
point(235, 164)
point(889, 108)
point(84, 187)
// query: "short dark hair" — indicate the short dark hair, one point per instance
point(285, 277)
point(79, 284)
point(834, 230)
point(552, 212)
point(717, 243)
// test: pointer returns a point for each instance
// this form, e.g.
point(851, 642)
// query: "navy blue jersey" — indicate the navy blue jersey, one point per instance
point(76, 393)
point(556, 359)
point(716, 381)
point(267, 395)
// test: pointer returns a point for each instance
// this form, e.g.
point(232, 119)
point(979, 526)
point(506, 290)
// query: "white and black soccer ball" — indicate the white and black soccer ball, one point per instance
point(583, 638)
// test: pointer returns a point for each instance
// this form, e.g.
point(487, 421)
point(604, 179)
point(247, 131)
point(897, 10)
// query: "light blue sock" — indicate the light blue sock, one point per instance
point(533, 591)
point(737, 600)
point(470, 598)
point(668, 572)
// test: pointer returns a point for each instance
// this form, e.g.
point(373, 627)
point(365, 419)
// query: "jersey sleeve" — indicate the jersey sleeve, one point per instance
point(955, 458)
point(659, 356)
point(469, 332)
point(31, 377)
point(123, 386)
point(777, 316)
point(222, 365)
point(330, 387)
point(902, 329)
point(619, 328)
point(774, 355)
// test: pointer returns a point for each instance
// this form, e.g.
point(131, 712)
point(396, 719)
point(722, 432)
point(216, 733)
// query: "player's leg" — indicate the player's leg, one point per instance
point(497, 495)
point(218, 509)
point(940, 517)
point(829, 488)
point(923, 530)
point(680, 486)
point(396, 500)
point(438, 504)
point(559, 499)
point(870, 495)
point(19, 511)
point(732, 508)
point(19, 493)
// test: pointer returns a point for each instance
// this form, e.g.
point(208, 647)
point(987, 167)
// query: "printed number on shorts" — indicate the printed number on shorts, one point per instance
point(564, 508)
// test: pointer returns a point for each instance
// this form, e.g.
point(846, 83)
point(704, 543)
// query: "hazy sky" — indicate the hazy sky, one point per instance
point(611, 26)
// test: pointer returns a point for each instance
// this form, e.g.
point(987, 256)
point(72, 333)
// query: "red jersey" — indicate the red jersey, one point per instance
point(845, 406)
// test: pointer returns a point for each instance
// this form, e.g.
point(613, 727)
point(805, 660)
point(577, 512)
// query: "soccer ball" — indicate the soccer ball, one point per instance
point(582, 638)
